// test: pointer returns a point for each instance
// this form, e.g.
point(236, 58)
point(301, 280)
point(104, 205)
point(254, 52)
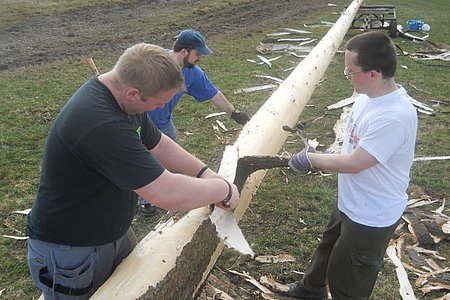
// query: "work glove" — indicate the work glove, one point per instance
point(300, 163)
point(239, 117)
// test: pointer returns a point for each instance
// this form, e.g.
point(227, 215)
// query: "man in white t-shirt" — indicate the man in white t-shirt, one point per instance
point(373, 167)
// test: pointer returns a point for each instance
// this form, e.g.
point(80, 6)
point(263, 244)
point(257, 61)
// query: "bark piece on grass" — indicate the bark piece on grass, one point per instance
point(275, 259)
point(406, 290)
point(419, 230)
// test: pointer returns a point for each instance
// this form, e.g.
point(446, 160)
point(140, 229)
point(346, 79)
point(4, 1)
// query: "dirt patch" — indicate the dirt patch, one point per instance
point(110, 29)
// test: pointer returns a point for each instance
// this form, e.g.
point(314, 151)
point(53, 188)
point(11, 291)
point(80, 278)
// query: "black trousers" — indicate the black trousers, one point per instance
point(349, 256)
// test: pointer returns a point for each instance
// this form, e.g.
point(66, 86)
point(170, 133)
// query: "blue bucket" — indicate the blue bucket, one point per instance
point(415, 25)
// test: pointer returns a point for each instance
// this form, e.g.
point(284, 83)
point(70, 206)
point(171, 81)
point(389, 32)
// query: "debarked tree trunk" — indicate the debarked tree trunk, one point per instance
point(173, 261)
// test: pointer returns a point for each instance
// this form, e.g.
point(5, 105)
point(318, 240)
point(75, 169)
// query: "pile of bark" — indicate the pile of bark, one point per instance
point(414, 250)
point(416, 245)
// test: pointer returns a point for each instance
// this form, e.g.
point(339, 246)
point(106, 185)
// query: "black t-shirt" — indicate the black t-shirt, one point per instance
point(94, 157)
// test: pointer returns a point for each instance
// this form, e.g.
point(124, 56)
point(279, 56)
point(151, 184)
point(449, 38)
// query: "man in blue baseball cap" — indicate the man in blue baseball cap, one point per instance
point(193, 39)
point(188, 50)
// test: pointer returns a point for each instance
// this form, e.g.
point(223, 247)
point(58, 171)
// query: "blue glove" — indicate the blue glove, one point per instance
point(300, 163)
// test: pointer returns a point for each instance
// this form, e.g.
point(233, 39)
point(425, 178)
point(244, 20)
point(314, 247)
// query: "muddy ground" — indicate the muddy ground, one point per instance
point(110, 29)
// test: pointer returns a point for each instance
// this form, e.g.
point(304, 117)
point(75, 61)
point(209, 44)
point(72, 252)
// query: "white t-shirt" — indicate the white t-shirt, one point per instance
point(386, 127)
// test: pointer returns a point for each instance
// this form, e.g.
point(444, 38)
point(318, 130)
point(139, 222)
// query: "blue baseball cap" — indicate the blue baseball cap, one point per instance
point(194, 39)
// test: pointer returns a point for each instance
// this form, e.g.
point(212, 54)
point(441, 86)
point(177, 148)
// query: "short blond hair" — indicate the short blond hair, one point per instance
point(150, 69)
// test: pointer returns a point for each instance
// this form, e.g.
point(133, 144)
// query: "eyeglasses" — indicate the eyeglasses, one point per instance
point(348, 74)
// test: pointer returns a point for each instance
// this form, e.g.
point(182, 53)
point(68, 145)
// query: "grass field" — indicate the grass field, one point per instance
point(30, 98)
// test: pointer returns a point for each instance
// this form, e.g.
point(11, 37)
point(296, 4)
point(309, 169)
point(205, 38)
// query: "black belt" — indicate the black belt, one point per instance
point(63, 289)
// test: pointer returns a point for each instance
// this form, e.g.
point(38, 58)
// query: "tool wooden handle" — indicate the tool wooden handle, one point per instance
point(91, 64)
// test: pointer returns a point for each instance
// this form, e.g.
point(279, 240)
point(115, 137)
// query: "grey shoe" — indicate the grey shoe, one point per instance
point(298, 291)
point(147, 209)
point(142, 201)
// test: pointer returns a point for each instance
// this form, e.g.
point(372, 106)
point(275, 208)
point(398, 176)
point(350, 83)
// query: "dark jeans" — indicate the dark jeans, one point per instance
point(74, 273)
point(350, 256)
point(170, 130)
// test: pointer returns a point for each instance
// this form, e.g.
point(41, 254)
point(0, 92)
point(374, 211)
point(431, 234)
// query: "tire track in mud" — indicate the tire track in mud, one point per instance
point(111, 28)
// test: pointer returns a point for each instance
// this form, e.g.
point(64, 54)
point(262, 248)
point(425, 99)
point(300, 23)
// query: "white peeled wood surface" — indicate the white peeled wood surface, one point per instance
point(406, 291)
point(152, 258)
point(263, 134)
point(226, 225)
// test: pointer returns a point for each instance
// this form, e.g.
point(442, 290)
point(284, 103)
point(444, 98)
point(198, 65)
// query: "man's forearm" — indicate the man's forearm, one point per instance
point(174, 158)
point(222, 103)
point(356, 162)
